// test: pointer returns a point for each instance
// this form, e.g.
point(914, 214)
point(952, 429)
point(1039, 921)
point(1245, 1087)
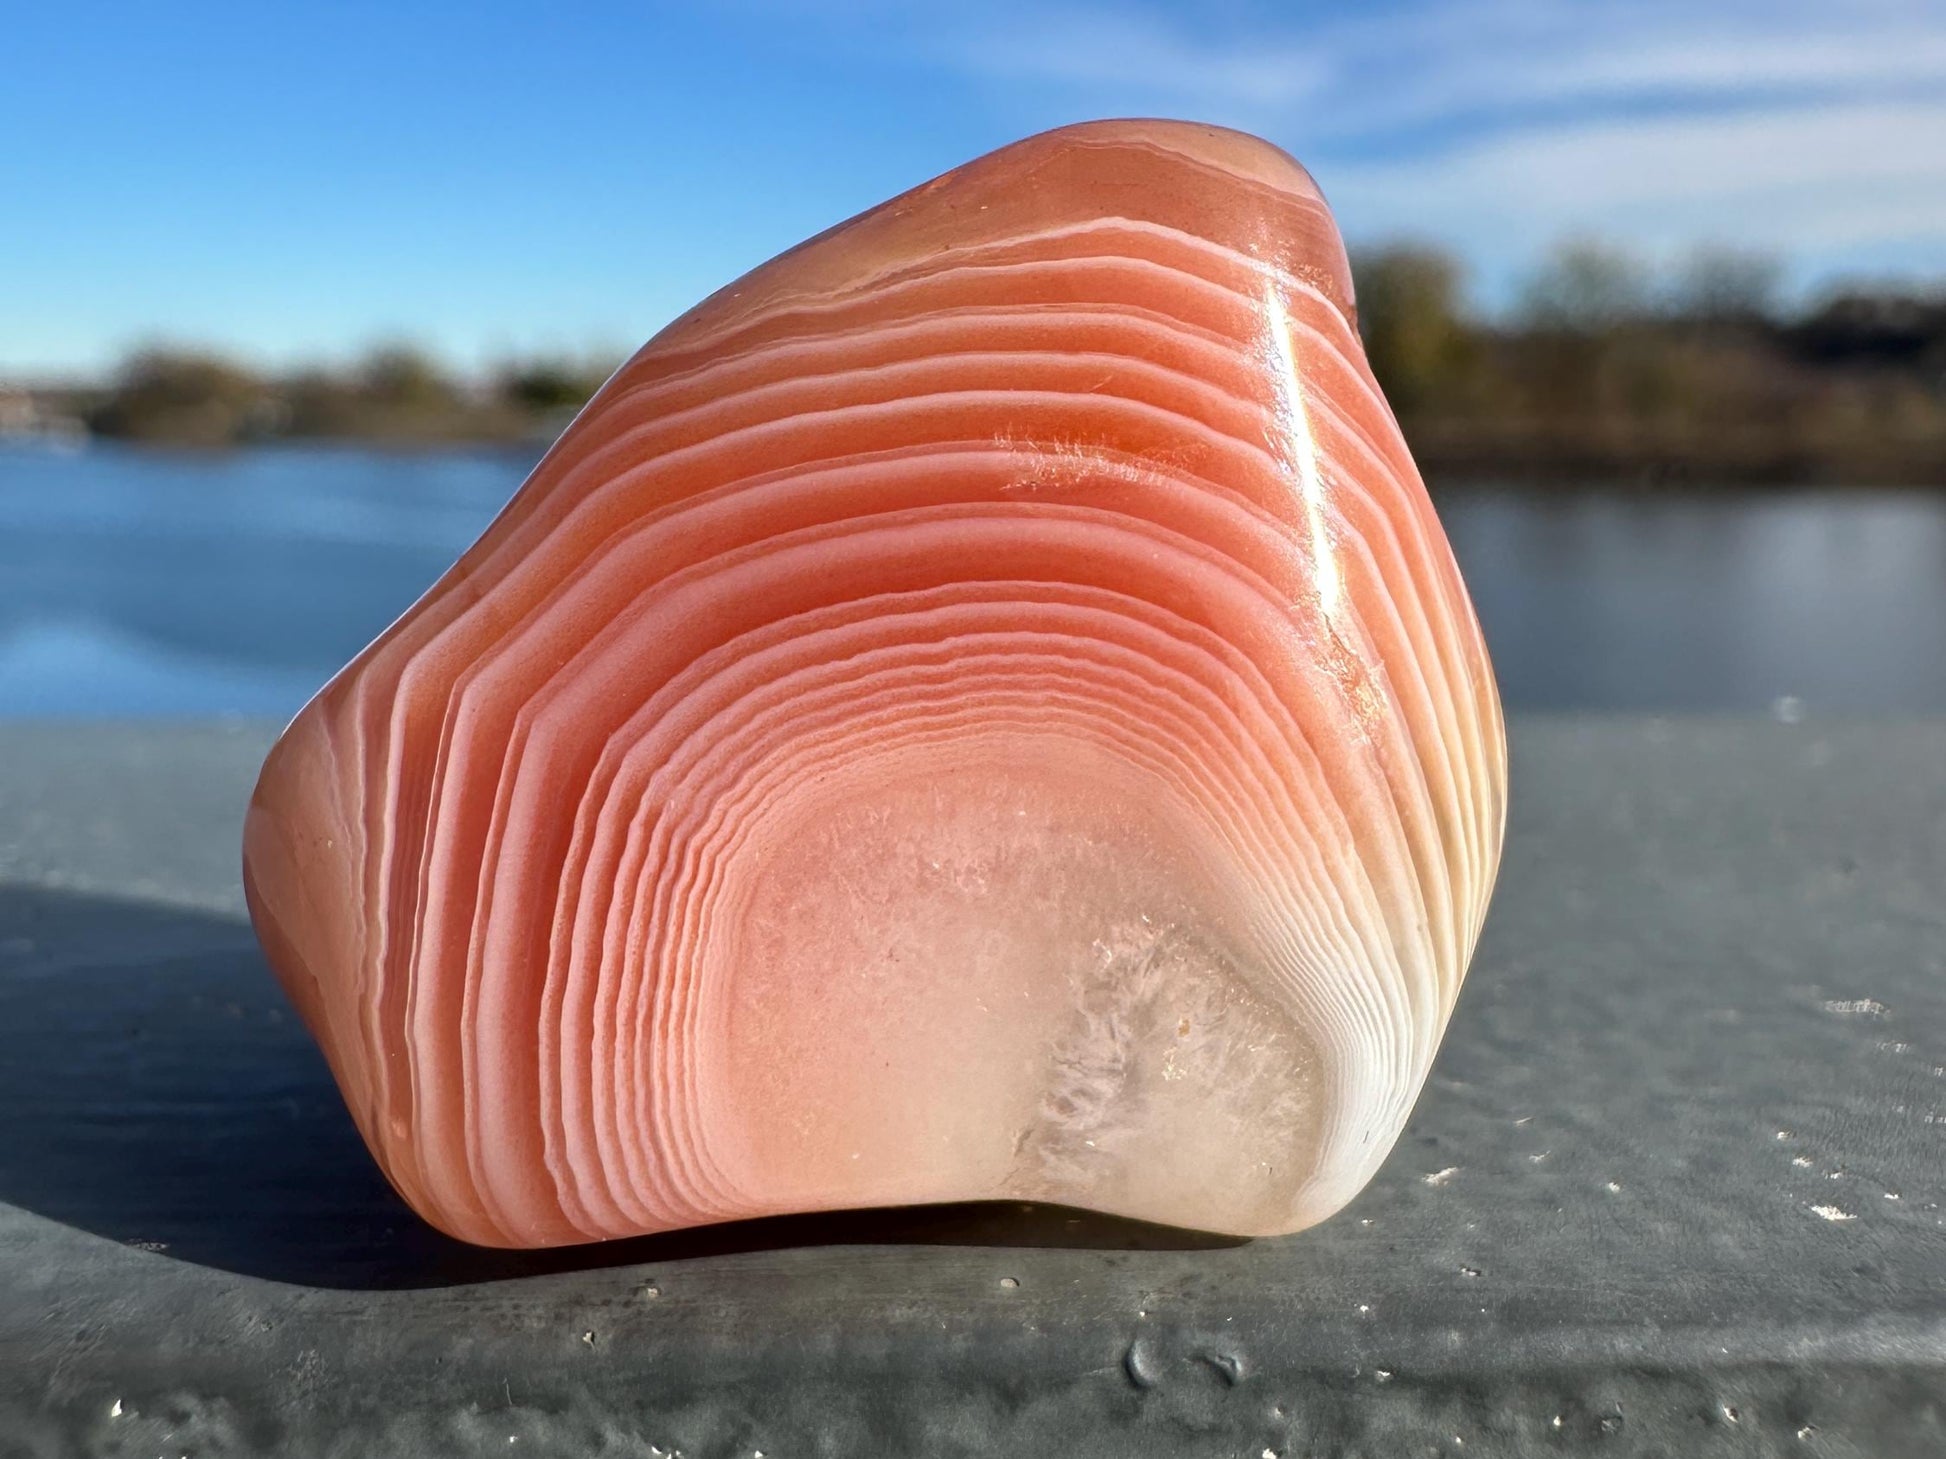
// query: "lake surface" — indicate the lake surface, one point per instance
point(145, 584)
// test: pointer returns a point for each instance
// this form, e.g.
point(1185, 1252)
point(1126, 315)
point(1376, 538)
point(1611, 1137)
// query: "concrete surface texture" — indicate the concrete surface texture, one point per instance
point(1675, 1186)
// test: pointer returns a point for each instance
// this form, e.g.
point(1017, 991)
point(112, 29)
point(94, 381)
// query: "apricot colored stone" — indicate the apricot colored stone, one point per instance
point(981, 707)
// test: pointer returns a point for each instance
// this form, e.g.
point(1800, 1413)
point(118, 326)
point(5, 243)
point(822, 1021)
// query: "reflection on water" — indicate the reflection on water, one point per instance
point(138, 583)
point(135, 584)
point(1723, 601)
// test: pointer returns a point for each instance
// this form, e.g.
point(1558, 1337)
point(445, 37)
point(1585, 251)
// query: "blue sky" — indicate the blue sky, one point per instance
point(295, 182)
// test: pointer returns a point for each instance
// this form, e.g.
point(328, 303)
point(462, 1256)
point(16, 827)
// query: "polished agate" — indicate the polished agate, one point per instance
point(981, 707)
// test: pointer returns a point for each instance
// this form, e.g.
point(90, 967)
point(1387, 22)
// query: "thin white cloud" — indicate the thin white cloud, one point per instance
point(1134, 54)
point(1456, 59)
point(1735, 62)
point(1803, 178)
point(1808, 129)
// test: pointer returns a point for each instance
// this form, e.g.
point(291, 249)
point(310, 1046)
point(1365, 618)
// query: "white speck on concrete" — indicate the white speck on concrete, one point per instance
point(1833, 1213)
point(1440, 1177)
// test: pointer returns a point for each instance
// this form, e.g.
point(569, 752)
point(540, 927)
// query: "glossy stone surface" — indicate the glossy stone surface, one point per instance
point(980, 707)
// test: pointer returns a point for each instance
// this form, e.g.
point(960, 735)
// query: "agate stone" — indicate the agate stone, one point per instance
point(980, 707)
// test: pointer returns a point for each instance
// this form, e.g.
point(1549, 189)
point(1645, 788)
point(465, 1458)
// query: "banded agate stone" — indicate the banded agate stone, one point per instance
point(980, 707)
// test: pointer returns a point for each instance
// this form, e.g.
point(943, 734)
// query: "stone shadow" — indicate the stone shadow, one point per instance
point(157, 1091)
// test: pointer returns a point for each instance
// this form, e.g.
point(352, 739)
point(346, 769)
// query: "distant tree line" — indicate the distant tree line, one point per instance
point(396, 395)
point(1603, 368)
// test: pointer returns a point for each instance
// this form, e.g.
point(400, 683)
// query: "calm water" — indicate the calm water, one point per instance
point(135, 584)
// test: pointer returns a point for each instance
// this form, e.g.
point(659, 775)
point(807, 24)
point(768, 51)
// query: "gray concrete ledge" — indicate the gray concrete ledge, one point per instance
point(1688, 1132)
